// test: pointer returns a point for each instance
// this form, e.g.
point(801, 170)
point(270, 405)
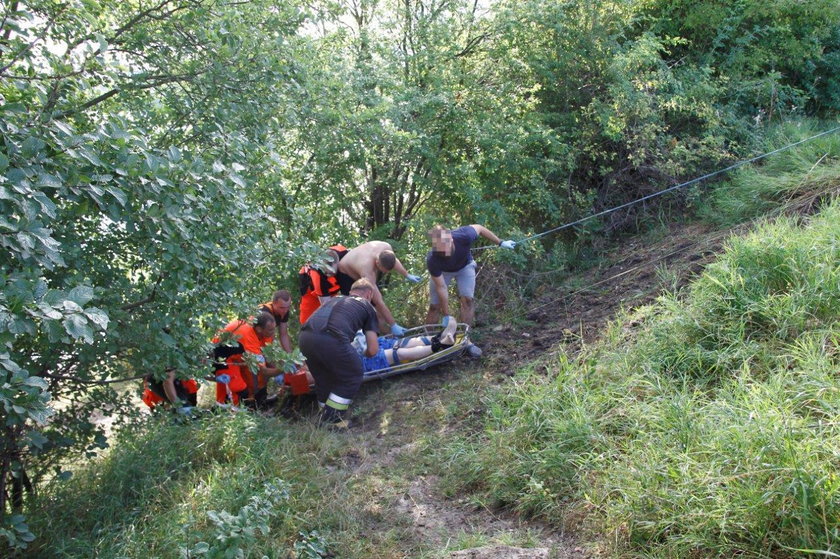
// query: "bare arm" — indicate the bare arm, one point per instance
point(283, 334)
point(400, 269)
point(372, 343)
point(442, 294)
point(269, 372)
point(486, 233)
point(169, 387)
point(377, 301)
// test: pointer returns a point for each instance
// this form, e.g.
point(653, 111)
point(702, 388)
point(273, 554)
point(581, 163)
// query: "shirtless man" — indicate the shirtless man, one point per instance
point(365, 261)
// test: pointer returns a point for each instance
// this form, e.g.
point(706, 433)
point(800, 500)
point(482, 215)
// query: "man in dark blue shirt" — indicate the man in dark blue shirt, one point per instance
point(450, 258)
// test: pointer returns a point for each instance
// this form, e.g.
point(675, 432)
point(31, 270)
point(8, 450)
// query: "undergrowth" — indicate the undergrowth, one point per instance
point(752, 190)
point(702, 425)
point(221, 486)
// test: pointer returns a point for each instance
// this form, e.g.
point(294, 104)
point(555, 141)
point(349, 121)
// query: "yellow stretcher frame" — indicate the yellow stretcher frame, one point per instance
point(462, 342)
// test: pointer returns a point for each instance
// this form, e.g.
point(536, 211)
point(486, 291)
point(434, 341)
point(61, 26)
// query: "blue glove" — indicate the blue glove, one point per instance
point(224, 379)
point(185, 410)
point(397, 330)
point(508, 244)
point(412, 278)
point(444, 321)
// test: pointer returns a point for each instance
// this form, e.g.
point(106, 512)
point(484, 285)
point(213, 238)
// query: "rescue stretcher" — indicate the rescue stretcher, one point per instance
point(462, 342)
point(299, 385)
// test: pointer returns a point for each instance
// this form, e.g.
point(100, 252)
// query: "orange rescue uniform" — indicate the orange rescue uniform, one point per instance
point(152, 398)
point(240, 376)
point(314, 284)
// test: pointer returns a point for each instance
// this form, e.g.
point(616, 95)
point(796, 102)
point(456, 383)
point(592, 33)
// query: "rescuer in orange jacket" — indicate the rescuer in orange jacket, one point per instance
point(279, 308)
point(251, 337)
point(182, 394)
point(318, 281)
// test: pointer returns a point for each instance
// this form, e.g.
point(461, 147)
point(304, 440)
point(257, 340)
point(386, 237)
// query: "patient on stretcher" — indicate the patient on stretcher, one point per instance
point(395, 351)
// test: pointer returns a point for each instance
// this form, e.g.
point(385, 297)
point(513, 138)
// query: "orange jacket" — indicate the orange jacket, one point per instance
point(152, 398)
point(240, 376)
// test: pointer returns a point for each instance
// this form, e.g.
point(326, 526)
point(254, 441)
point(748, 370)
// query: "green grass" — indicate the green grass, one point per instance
point(151, 494)
point(755, 189)
point(709, 430)
point(704, 424)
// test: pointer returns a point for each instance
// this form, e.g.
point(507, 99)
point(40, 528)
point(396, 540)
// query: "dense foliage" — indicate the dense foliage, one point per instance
point(166, 164)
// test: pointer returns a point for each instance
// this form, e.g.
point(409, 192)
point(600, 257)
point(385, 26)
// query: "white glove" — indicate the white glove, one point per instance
point(359, 342)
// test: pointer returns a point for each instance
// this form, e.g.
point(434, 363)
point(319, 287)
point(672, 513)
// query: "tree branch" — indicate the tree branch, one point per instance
point(147, 300)
point(80, 380)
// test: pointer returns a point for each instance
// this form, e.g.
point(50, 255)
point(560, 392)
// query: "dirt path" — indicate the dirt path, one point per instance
point(561, 316)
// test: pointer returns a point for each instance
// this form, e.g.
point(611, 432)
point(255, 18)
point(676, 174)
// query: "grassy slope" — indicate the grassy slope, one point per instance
point(704, 423)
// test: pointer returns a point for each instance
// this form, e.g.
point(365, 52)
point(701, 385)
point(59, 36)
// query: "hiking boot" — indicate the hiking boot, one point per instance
point(341, 425)
point(332, 418)
point(474, 351)
point(289, 407)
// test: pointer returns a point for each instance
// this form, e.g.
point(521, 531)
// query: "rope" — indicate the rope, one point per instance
point(713, 238)
point(672, 188)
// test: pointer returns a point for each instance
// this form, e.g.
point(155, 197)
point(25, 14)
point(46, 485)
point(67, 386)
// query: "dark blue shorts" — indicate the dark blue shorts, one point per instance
point(379, 361)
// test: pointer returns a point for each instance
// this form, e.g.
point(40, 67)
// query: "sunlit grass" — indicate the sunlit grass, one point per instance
point(754, 189)
point(709, 429)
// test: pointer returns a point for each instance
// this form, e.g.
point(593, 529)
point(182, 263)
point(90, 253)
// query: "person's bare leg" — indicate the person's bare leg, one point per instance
point(467, 310)
point(407, 354)
point(411, 342)
point(433, 315)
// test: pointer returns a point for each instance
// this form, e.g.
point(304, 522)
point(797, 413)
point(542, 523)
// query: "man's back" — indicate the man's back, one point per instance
point(342, 317)
point(360, 262)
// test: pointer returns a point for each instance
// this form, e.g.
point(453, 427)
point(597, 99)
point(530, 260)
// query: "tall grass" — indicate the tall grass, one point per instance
point(708, 430)
point(754, 189)
point(154, 495)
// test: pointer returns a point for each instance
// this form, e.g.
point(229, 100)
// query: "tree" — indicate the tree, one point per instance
point(128, 138)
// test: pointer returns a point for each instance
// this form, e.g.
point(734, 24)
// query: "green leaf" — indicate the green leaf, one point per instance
point(46, 180)
point(63, 127)
point(49, 312)
point(31, 146)
point(37, 382)
point(98, 317)
point(118, 194)
point(36, 439)
point(238, 180)
point(81, 294)
point(103, 44)
point(90, 157)
point(77, 326)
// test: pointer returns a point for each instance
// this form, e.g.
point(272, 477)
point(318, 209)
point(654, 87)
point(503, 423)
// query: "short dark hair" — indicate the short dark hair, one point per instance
point(387, 259)
point(265, 320)
point(437, 231)
point(281, 295)
point(361, 285)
